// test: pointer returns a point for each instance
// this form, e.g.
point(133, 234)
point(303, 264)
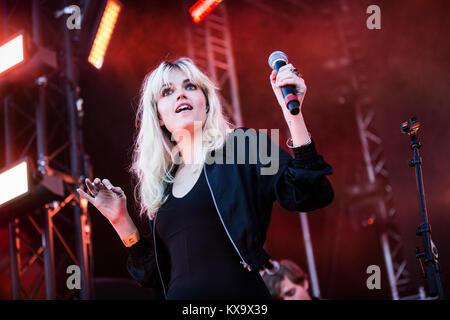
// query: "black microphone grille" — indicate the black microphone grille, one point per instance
point(277, 55)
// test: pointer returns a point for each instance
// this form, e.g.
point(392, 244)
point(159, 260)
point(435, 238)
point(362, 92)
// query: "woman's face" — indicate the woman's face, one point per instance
point(293, 291)
point(181, 103)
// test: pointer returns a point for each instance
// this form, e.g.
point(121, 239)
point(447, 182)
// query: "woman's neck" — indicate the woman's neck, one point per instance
point(190, 144)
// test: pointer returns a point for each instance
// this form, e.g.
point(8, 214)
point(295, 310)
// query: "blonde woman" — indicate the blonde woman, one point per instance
point(208, 215)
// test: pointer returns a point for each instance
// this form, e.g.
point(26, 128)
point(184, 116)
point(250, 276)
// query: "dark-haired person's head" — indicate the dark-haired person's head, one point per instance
point(287, 282)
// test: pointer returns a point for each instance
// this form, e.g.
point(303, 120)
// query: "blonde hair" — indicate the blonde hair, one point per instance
point(154, 155)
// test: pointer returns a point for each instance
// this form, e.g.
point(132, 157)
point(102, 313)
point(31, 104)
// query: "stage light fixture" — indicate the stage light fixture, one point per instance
point(14, 182)
point(22, 190)
point(11, 53)
point(202, 8)
point(22, 62)
point(104, 33)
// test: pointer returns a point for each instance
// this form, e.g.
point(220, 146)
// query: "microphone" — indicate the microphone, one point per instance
point(277, 59)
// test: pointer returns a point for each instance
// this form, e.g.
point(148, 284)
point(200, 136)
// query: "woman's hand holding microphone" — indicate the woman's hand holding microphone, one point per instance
point(288, 75)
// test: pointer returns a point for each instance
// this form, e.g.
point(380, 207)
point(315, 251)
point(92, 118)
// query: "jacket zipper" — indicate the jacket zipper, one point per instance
point(156, 256)
point(244, 264)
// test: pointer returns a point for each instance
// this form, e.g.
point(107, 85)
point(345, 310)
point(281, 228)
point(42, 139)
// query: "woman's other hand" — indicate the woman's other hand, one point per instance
point(108, 199)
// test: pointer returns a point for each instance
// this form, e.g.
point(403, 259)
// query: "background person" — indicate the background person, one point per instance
point(287, 281)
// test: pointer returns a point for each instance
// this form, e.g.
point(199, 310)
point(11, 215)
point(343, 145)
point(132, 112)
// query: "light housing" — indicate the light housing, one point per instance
point(15, 182)
point(22, 69)
point(22, 190)
point(12, 52)
point(104, 31)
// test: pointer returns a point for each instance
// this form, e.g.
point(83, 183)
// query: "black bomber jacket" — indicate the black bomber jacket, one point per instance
point(243, 198)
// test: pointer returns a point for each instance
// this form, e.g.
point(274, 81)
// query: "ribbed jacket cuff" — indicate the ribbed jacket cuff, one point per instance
point(138, 249)
point(305, 155)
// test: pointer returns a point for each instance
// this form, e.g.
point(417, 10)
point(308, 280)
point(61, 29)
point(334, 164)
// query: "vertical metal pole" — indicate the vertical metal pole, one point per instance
point(14, 259)
point(47, 232)
point(389, 266)
point(41, 139)
point(6, 121)
point(86, 171)
point(40, 107)
point(310, 255)
point(75, 160)
point(49, 257)
point(35, 22)
point(431, 264)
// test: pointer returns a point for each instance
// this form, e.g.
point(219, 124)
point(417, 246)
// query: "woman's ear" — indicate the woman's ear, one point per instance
point(306, 284)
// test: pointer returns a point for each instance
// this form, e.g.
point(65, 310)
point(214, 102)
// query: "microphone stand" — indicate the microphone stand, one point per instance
point(430, 254)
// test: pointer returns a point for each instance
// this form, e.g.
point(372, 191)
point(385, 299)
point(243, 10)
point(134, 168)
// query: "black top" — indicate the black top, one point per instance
point(204, 263)
point(244, 195)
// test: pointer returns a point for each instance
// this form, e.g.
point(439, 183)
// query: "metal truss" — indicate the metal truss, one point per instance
point(372, 199)
point(43, 121)
point(209, 45)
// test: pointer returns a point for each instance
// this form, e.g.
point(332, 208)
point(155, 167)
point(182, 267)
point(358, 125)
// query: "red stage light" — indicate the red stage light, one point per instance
point(202, 8)
point(104, 33)
point(11, 53)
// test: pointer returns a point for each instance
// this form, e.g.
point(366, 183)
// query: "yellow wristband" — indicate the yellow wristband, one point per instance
point(131, 239)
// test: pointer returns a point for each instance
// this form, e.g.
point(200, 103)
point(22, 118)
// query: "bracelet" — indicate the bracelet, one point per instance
point(131, 239)
point(301, 145)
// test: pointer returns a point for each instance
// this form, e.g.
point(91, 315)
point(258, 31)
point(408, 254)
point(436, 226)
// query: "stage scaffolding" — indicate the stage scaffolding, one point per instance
point(209, 45)
point(375, 193)
point(43, 121)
